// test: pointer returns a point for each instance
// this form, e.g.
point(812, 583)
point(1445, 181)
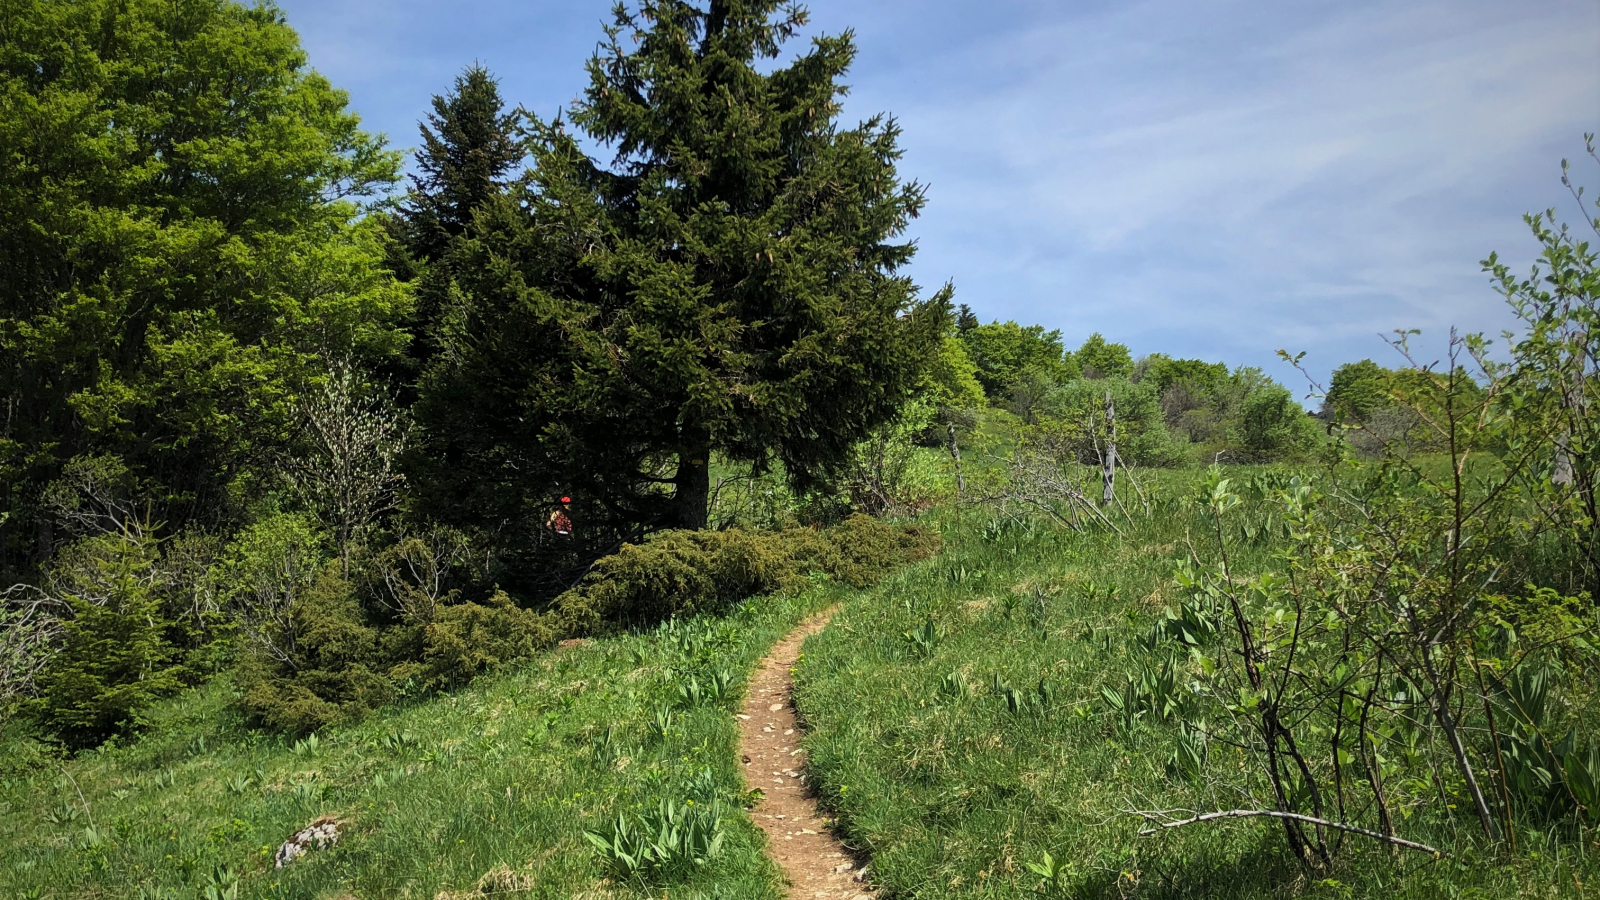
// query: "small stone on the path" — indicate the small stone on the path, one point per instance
point(841, 868)
point(775, 707)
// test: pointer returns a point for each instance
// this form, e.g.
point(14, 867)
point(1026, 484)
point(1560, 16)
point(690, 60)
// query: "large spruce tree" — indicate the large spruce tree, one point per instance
point(730, 281)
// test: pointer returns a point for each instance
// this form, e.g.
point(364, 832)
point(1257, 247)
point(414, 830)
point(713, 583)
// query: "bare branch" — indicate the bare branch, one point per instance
point(1163, 820)
point(30, 625)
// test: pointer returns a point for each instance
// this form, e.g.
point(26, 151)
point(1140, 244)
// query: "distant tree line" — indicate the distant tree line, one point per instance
point(1170, 411)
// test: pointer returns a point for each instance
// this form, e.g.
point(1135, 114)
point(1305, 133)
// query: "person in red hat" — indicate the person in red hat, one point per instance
point(560, 522)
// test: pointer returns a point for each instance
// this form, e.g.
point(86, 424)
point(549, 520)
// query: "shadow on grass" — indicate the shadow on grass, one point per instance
point(1265, 870)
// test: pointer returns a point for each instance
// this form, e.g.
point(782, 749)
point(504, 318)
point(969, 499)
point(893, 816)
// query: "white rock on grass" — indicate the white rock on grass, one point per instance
point(324, 832)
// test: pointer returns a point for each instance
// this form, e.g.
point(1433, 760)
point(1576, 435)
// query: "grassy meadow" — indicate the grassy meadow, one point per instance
point(959, 728)
point(483, 792)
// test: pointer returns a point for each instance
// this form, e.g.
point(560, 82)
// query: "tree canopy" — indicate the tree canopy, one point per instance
point(1004, 351)
point(470, 146)
point(1099, 358)
point(1357, 390)
point(182, 247)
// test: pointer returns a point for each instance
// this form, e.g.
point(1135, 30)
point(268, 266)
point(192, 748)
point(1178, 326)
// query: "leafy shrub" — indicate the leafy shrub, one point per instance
point(197, 624)
point(1077, 413)
point(419, 573)
point(1273, 425)
point(321, 656)
point(121, 618)
point(263, 573)
point(864, 549)
point(678, 573)
point(882, 475)
point(681, 573)
point(469, 639)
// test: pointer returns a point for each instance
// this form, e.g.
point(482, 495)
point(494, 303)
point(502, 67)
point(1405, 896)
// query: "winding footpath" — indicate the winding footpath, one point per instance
point(798, 836)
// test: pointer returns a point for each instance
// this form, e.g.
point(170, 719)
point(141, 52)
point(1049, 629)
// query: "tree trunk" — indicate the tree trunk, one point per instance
point(45, 539)
point(1108, 477)
point(955, 454)
point(1440, 702)
point(1562, 472)
point(691, 499)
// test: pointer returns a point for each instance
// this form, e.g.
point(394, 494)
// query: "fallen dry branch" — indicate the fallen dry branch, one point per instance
point(1161, 820)
point(1038, 478)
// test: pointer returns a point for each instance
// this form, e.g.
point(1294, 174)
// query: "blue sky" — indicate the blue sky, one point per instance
point(1217, 179)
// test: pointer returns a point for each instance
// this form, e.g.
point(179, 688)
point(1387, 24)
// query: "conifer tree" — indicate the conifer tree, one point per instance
point(469, 143)
point(966, 319)
point(730, 282)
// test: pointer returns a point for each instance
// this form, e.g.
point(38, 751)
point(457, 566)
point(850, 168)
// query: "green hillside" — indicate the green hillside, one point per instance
point(986, 724)
point(383, 523)
point(478, 793)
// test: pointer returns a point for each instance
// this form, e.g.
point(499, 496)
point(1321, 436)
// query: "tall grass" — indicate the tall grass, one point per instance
point(967, 725)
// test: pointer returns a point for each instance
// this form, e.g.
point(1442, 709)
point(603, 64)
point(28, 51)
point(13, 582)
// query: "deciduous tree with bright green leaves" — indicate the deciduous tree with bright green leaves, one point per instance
point(1005, 351)
point(1099, 358)
point(180, 224)
point(1163, 371)
point(1357, 390)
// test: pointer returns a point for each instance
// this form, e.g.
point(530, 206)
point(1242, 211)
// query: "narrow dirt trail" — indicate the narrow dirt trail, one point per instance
point(818, 866)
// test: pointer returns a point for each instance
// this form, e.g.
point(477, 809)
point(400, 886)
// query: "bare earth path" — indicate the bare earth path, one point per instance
point(818, 865)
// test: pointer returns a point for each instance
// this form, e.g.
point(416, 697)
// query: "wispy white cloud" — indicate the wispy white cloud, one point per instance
point(1230, 178)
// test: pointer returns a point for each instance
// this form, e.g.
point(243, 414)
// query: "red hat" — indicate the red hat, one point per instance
point(566, 499)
